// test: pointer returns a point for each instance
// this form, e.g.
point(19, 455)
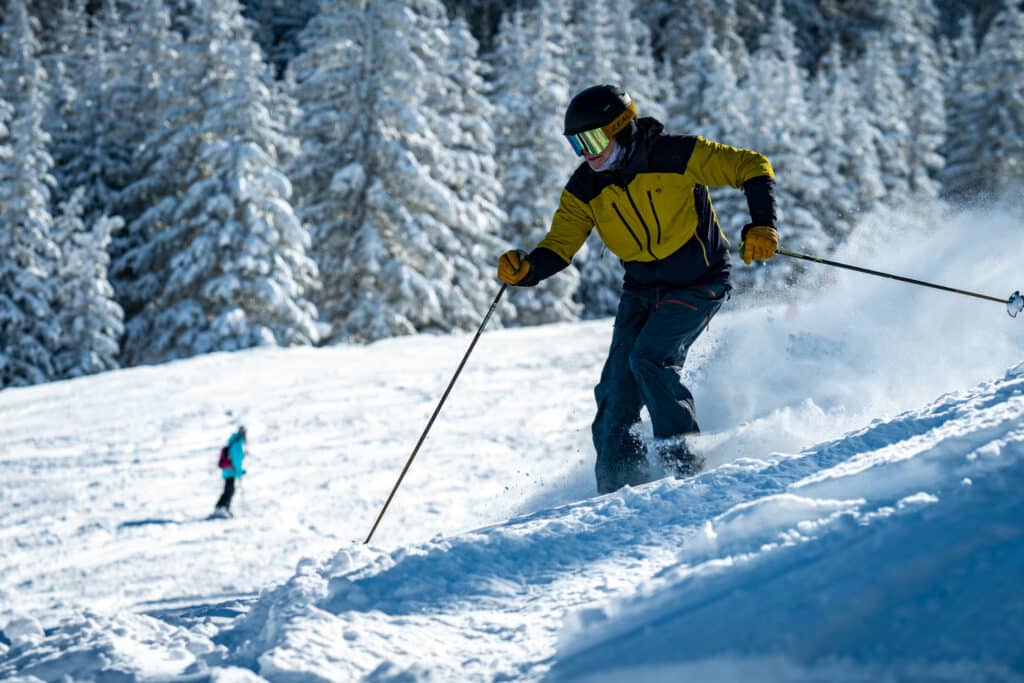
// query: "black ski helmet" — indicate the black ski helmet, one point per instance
point(607, 107)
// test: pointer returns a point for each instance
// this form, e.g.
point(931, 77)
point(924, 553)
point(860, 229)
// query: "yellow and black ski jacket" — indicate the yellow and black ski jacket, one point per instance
point(655, 213)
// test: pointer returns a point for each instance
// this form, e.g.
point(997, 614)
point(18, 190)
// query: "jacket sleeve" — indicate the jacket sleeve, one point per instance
point(569, 229)
point(717, 165)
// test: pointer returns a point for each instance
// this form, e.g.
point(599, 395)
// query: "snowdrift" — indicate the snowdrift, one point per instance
point(892, 553)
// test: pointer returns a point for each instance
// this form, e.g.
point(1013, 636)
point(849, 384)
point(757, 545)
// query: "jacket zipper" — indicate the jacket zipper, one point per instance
point(631, 233)
point(642, 222)
point(657, 220)
point(696, 233)
point(710, 214)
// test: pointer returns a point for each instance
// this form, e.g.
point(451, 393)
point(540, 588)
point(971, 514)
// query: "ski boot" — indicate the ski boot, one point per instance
point(677, 458)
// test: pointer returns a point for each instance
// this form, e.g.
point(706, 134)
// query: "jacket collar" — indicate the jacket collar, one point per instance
point(648, 131)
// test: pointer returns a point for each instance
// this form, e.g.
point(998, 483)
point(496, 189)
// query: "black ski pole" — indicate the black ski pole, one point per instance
point(437, 410)
point(1014, 304)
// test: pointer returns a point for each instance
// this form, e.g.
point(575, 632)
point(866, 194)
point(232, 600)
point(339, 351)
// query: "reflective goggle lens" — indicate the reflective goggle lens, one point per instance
point(592, 141)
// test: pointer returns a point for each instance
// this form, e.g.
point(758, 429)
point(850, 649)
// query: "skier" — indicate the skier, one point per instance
point(646, 192)
point(233, 470)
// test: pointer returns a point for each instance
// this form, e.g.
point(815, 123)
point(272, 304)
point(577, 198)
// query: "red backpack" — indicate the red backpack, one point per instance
point(225, 460)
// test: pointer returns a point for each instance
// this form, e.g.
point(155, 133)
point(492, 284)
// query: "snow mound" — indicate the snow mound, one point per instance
point(892, 553)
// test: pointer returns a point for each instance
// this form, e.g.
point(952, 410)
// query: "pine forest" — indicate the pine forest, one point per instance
point(181, 177)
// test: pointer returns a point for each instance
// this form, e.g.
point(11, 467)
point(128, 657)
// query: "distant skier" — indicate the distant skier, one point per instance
point(647, 194)
point(231, 469)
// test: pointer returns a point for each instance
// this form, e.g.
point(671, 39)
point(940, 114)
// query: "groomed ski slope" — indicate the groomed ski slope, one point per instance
point(860, 518)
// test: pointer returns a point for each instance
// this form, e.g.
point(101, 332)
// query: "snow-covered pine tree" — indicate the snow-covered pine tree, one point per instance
point(91, 322)
point(123, 88)
point(960, 174)
point(680, 28)
point(733, 46)
point(464, 115)
point(962, 53)
point(908, 24)
point(28, 331)
point(992, 114)
point(910, 28)
point(63, 64)
point(413, 252)
point(145, 86)
point(530, 96)
point(609, 44)
point(886, 100)
point(708, 102)
point(592, 55)
point(847, 155)
point(706, 95)
point(91, 145)
point(226, 260)
point(927, 119)
point(635, 68)
point(277, 24)
point(782, 128)
point(143, 82)
point(904, 23)
point(326, 80)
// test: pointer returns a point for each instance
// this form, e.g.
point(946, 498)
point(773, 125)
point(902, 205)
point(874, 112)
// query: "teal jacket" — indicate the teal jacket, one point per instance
point(236, 451)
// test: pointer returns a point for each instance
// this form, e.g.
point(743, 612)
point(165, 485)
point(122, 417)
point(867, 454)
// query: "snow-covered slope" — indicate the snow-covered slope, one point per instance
point(893, 553)
point(860, 518)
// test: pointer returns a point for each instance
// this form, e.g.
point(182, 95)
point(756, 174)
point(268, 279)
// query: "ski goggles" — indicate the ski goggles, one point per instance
point(591, 141)
point(594, 141)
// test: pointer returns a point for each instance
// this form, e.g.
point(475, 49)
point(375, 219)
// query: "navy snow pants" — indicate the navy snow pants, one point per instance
point(654, 329)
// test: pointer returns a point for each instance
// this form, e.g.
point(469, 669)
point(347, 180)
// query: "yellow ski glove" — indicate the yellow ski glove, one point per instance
point(759, 244)
point(513, 267)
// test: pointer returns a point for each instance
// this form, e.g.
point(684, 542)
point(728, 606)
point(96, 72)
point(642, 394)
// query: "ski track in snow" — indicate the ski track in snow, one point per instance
point(143, 480)
point(495, 560)
point(452, 592)
point(439, 610)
